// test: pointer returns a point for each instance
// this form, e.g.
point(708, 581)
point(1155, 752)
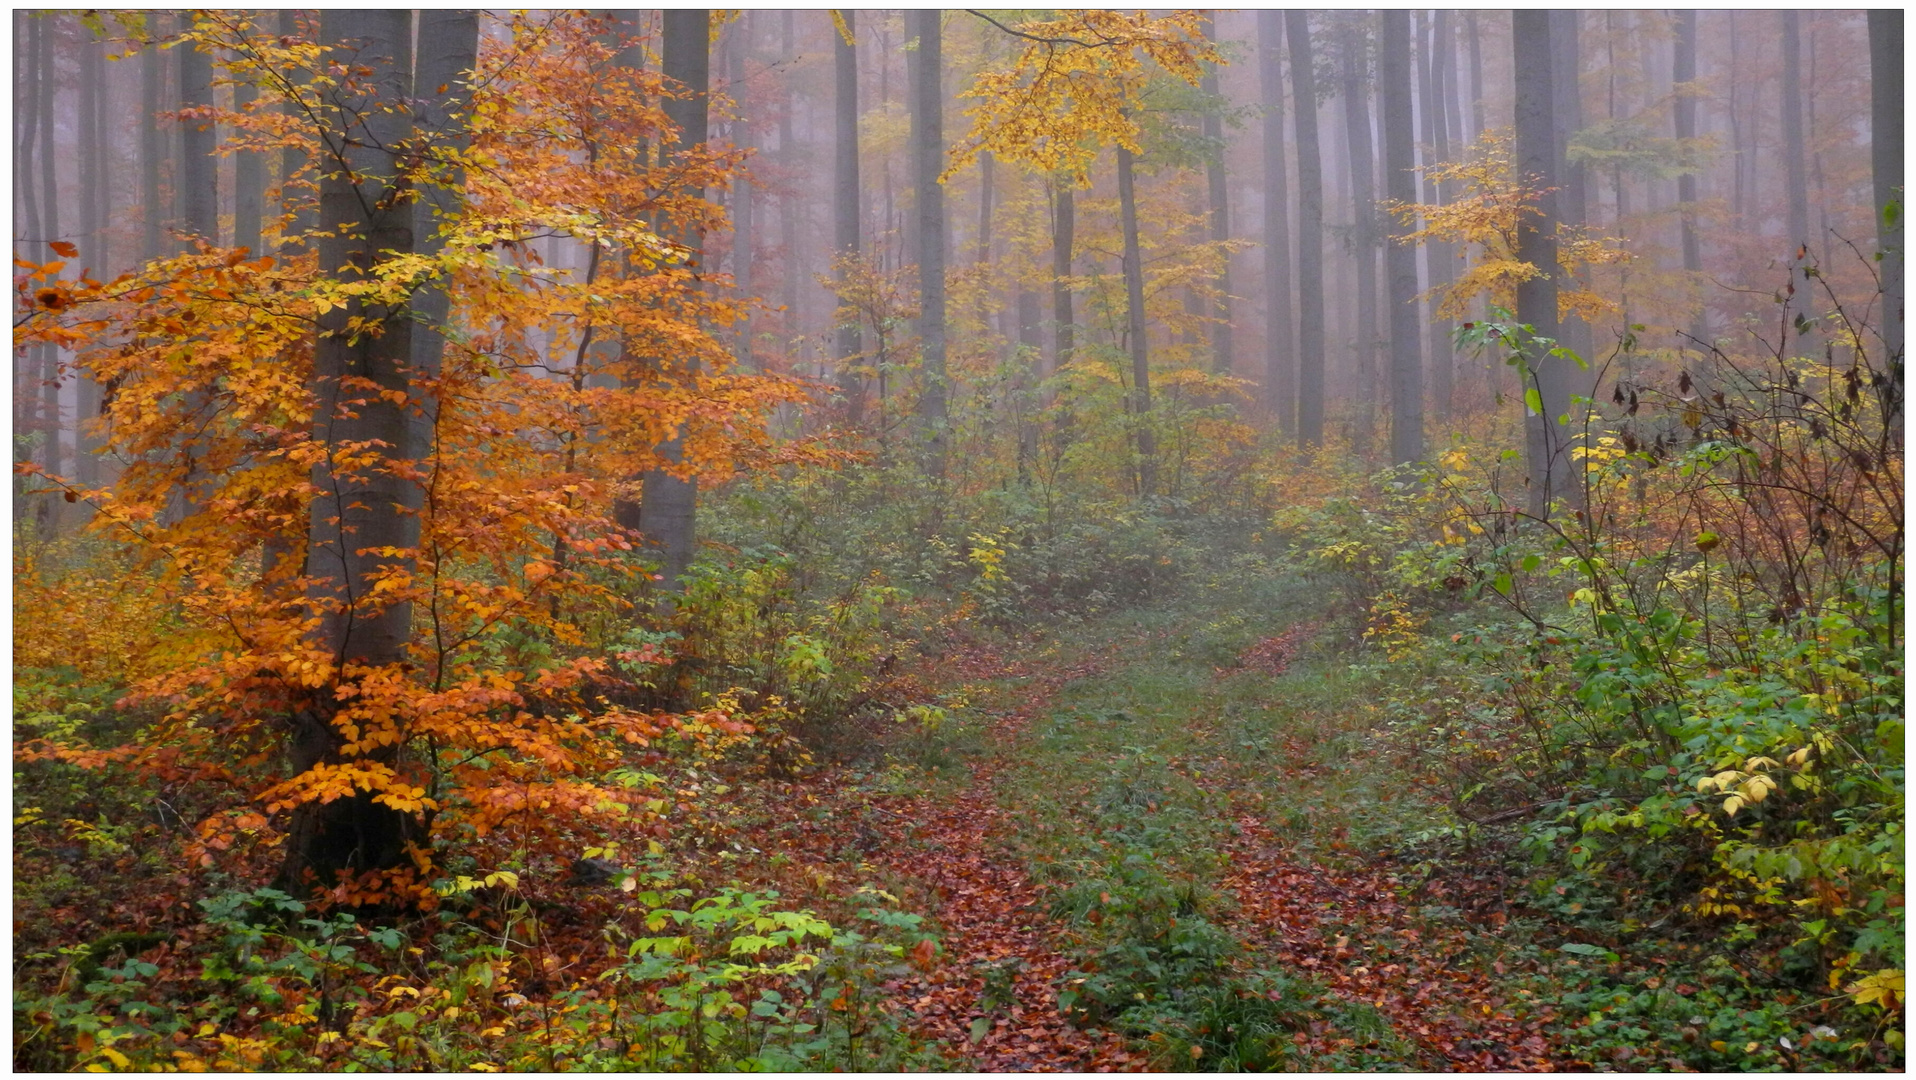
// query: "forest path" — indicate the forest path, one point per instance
point(1147, 783)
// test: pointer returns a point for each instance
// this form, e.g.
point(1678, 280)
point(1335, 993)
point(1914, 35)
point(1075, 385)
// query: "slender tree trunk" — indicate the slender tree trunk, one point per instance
point(1546, 390)
point(668, 504)
point(1400, 259)
point(1886, 173)
point(1031, 368)
point(152, 212)
point(1280, 329)
point(744, 229)
point(846, 209)
point(1364, 230)
point(1223, 338)
point(249, 181)
point(199, 165)
point(790, 205)
point(94, 154)
point(1476, 75)
point(1802, 302)
point(1135, 332)
point(359, 510)
point(1573, 199)
point(32, 246)
point(1064, 226)
point(1683, 74)
point(1445, 124)
point(1310, 235)
point(987, 178)
point(49, 155)
point(928, 160)
point(294, 203)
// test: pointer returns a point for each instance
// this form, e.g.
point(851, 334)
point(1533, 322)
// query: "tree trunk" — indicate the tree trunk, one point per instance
point(1064, 227)
point(94, 188)
point(789, 205)
point(1439, 256)
point(846, 210)
point(1400, 259)
point(49, 155)
point(1135, 334)
point(1573, 199)
point(1683, 74)
point(1546, 390)
point(1802, 302)
point(928, 160)
point(668, 504)
point(1364, 231)
point(1476, 75)
point(26, 121)
point(1310, 235)
point(152, 213)
point(199, 165)
point(249, 182)
point(1886, 171)
point(357, 511)
point(1280, 332)
point(743, 227)
point(300, 205)
point(1223, 343)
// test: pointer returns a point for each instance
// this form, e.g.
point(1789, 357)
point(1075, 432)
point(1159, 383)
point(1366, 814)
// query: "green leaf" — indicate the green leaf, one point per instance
point(1533, 401)
point(980, 1028)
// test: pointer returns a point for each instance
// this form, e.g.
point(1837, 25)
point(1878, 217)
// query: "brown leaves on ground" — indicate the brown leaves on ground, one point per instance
point(1271, 656)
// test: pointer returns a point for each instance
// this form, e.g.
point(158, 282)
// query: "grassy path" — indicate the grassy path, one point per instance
point(1164, 857)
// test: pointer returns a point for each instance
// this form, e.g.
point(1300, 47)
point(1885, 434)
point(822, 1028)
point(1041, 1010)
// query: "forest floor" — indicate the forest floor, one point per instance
point(1135, 769)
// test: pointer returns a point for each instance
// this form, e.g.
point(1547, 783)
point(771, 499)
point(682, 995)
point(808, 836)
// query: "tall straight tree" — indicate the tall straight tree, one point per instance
point(1353, 65)
point(1886, 171)
point(1546, 384)
point(1310, 234)
point(1441, 124)
point(928, 162)
point(1574, 195)
point(1136, 335)
point(95, 210)
point(199, 142)
point(1796, 172)
point(153, 214)
point(738, 46)
point(1683, 74)
point(668, 504)
point(1476, 43)
point(364, 509)
point(249, 180)
point(1064, 228)
point(47, 157)
point(1223, 341)
point(845, 206)
point(293, 203)
point(1400, 259)
point(1280, 332)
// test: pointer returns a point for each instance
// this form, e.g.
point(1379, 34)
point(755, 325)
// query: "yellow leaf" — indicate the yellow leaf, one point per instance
point(114, 1056)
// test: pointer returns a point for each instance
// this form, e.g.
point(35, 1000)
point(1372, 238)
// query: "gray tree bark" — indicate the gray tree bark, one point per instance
point(928, 160)
point(1546, 393)
point(1223, 338)
point(1796, 177)
point(199, 166)
point(1352, 65)
point(1064, 227)
point(1683, 73)
point(668, 505)
point(1886, 172)
point(1310, 235)
point(1280, 329)
point(744, 228)
point(1135, 332)
point(1574, 197)
point(846, 207)
point(249, 182)
point(1400, 259)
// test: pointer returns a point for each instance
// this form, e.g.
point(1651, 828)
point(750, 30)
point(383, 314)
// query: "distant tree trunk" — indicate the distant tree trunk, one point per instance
point(987, 177)
point(1683, 74)
point(668, 504)
point(1476, 75)
point(846, 209)
point(199, 165)
point(1280, 330)
point(48, 157)
point(1135, 332)
point(249, 181)
point(1802, 300)
point(356, 511)
point(1438, 254)
point(1573, 199)
point(1446, 49)
point(743, 227)
point(1400, 259)
point(1064, 224)
point(789, 205)
point(292, 201)
point(1886, 172)
point(1536, 150)
point(152, 213)
point(1031, 369)
point(1223, 338)
point(26, 121)
point(1310, 235)
point(94, 155)
point(1364, 231)
point(928, 160)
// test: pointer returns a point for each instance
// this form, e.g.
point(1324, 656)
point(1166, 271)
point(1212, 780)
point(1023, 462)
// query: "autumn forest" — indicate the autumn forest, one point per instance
point(875, 540)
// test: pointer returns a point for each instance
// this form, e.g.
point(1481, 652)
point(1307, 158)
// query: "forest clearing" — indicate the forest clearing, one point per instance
point(877, 540)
